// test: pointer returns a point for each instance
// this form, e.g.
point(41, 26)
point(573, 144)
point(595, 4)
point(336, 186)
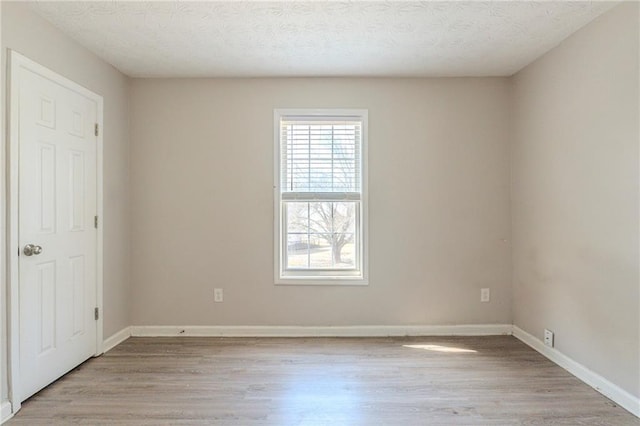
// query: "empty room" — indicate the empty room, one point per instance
point(320, 213)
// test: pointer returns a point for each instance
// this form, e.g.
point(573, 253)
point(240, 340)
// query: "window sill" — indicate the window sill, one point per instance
point(322, 281)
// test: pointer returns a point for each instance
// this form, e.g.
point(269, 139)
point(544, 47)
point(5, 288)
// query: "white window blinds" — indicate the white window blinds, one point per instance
point(320, 157)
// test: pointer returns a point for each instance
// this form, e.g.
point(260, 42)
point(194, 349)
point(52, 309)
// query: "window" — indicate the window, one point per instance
point(320, 200)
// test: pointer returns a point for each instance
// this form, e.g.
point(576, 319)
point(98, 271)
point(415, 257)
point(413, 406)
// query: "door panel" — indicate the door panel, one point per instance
point(57, 203)
point(46, 185)
point(78, 303)
point(46, 289)
point(77, 185)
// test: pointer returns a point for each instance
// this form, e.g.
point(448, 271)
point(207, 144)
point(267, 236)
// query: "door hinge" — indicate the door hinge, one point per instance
point(96, 313)
point(95, 221)
point(96, 129)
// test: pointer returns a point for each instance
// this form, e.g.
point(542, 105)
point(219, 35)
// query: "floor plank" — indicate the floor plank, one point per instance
point(321, 381)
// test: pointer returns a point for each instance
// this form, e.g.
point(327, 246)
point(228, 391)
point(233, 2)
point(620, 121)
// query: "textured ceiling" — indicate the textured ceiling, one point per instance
point(319, 38)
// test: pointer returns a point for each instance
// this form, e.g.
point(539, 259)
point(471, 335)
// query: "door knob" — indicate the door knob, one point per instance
point(31, 250)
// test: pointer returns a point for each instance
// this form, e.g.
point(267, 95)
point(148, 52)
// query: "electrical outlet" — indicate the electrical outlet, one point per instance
point(548, 338)
point(485, 294)
point(217, 295)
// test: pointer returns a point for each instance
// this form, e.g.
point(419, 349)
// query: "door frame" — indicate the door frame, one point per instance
point(16, 61)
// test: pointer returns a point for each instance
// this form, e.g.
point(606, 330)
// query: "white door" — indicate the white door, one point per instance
point(56, 234)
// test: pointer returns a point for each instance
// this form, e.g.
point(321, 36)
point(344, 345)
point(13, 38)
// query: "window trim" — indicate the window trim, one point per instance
point(319, 279)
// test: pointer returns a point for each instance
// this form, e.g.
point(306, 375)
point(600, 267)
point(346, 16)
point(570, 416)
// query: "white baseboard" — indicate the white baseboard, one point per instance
point(328, 331)
point(116, 339)
point(599, 383)
point(5, 411)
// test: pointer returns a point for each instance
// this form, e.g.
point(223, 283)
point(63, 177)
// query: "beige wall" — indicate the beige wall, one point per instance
point(27, 33)
point(202, 202)
point(575, 197)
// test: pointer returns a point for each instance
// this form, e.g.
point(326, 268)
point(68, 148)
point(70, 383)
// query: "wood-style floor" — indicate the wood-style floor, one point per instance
point(321, 381)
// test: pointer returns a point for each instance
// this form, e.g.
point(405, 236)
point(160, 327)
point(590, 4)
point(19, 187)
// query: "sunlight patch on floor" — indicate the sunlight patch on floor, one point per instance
point(438, 348)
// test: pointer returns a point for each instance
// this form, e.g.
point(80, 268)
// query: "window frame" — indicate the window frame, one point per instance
point(319, 277)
